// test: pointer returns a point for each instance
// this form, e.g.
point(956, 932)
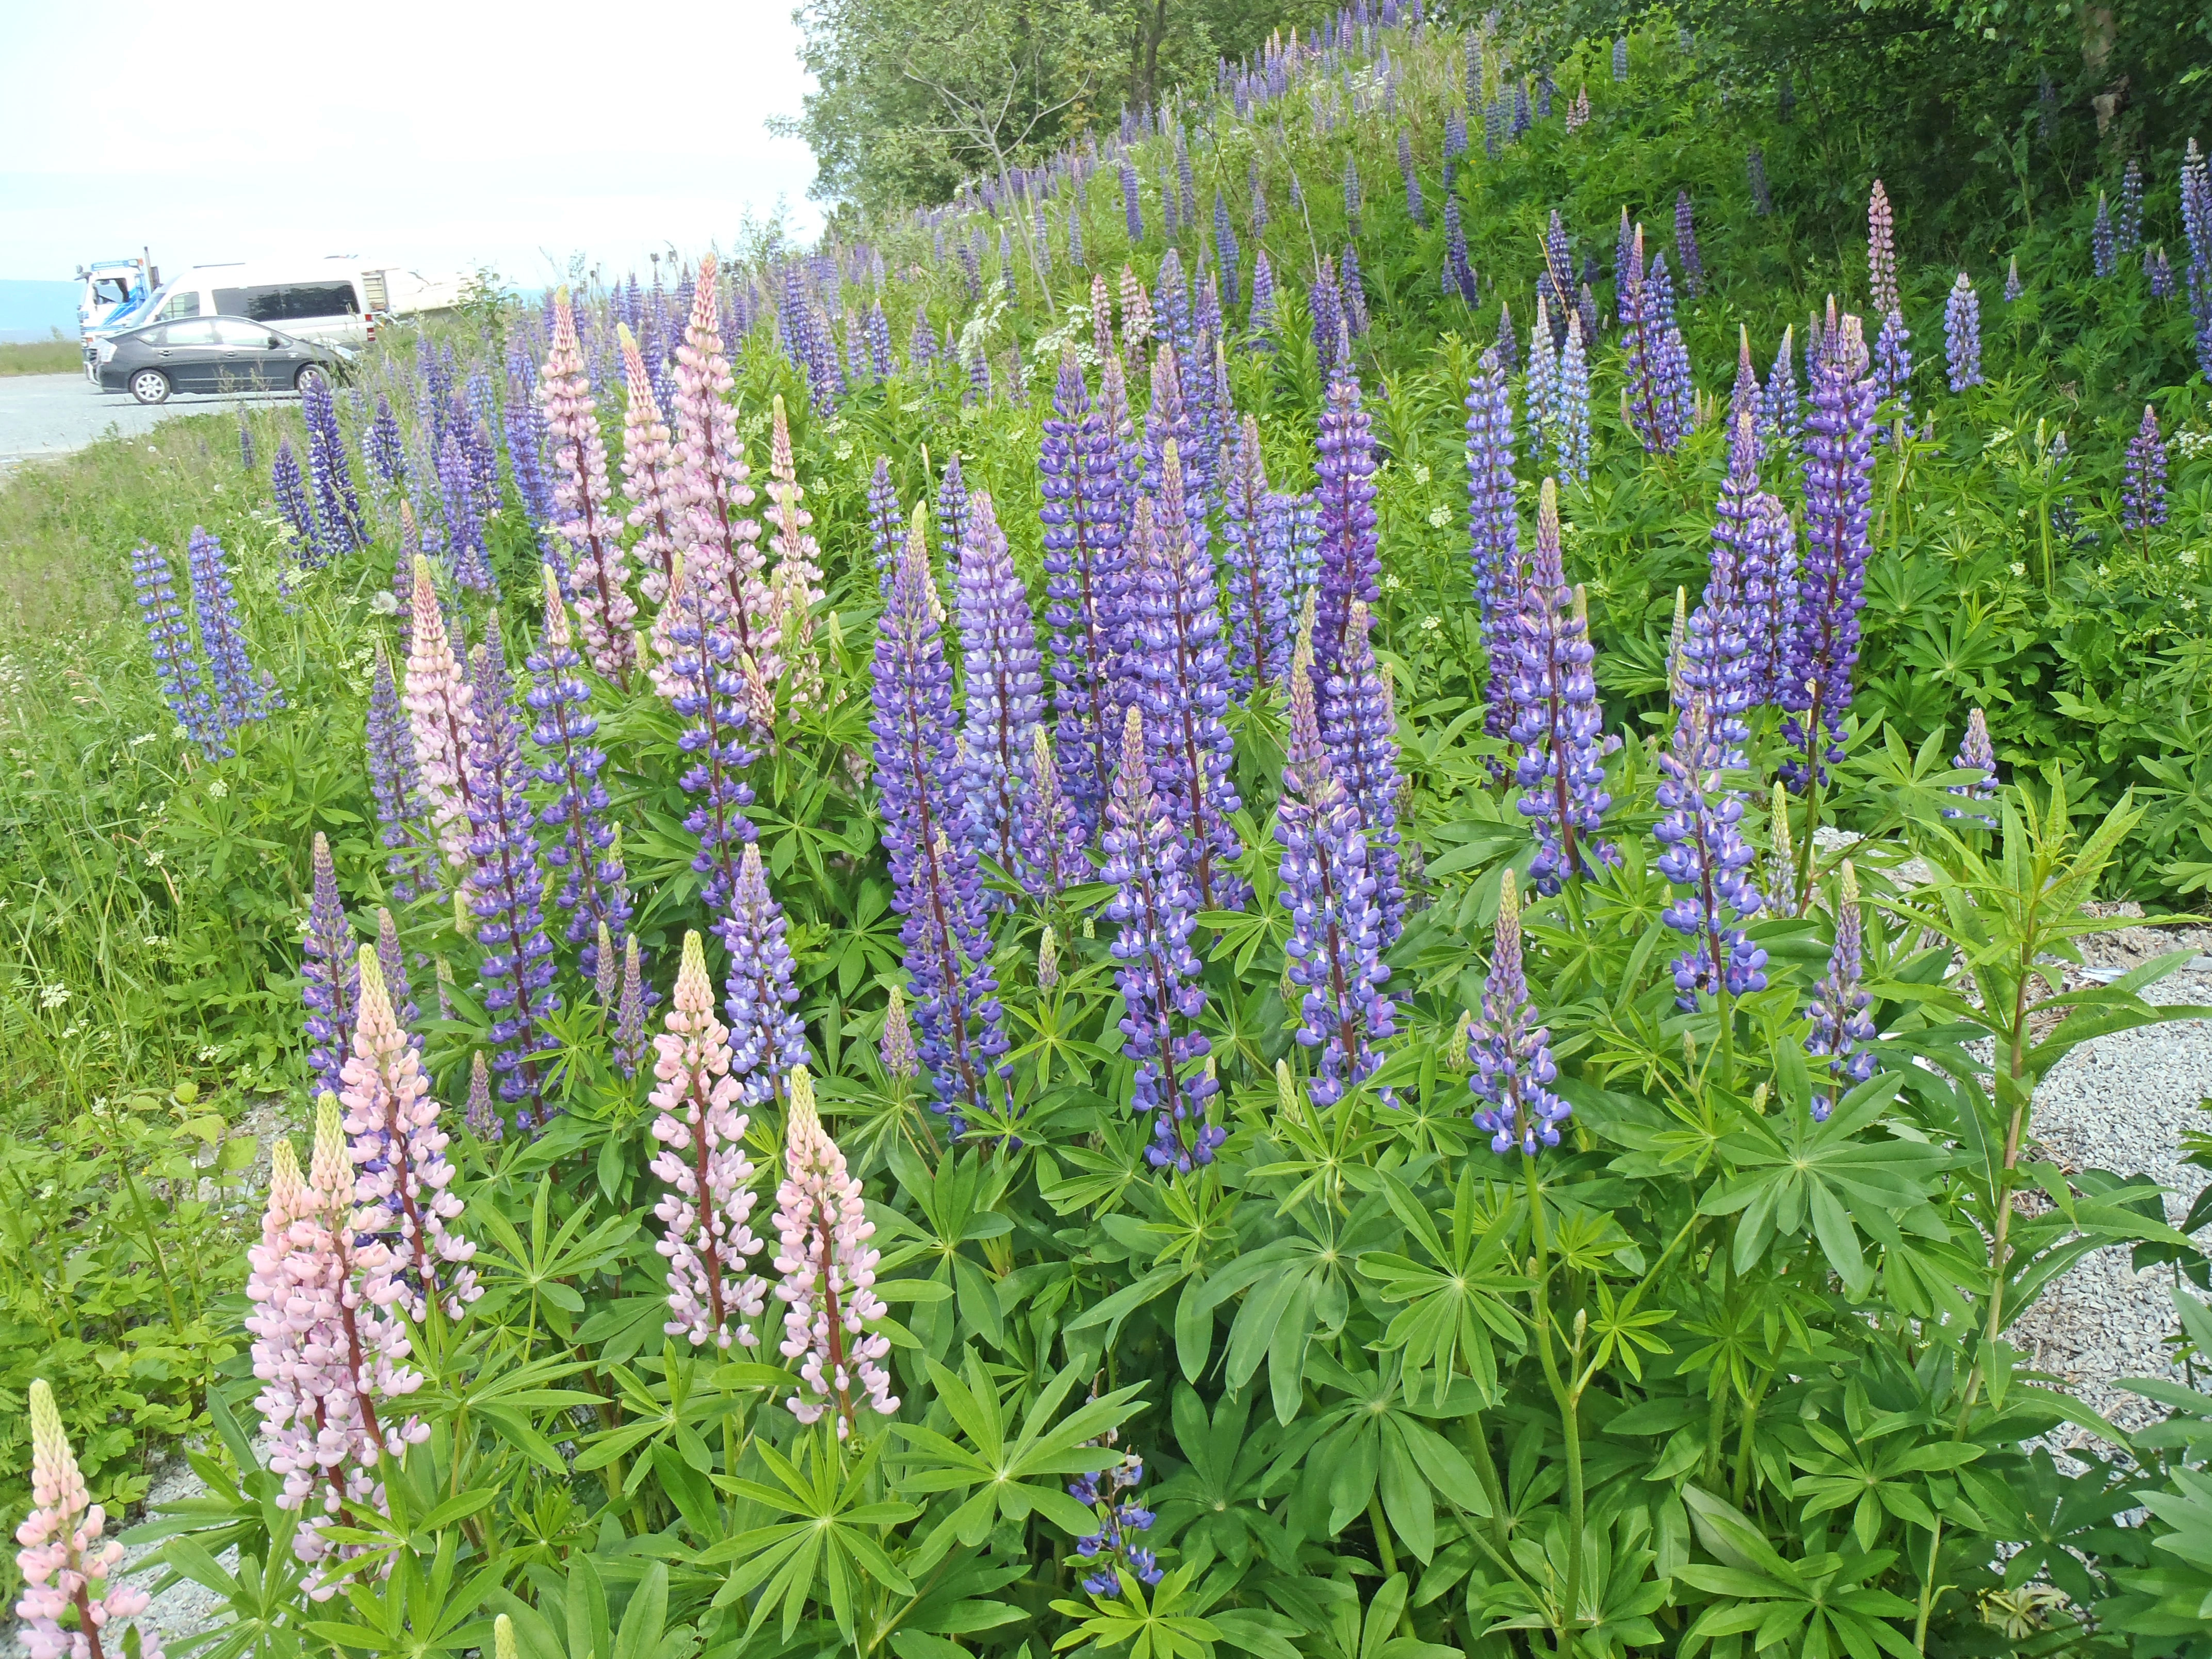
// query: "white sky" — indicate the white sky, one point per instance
point(443, 134)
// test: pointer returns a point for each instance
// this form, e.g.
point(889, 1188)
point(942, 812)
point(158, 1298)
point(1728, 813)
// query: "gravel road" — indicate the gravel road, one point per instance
point(43, 415)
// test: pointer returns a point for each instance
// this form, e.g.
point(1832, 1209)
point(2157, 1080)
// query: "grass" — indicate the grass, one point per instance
point(55, 356)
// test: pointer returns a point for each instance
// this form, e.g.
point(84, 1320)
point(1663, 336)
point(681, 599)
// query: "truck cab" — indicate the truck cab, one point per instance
point(114, 289)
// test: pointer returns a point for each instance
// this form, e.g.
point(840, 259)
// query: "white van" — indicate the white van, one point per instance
point(332, 300)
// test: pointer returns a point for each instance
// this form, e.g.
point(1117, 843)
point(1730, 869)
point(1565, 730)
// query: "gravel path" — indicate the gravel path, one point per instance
point(2122, 1102)
point(44, 415)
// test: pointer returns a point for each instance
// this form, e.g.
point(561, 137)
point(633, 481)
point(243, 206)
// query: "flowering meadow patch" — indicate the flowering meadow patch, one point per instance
point(1172, 971)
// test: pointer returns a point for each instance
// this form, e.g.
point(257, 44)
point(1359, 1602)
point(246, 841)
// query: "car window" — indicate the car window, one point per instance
point(237, 332)
point(151, 337)
point(279, 302)
point(190, 334)
point(185, 303)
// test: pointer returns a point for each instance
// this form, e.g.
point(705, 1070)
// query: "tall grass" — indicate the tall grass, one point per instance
point(55, 356)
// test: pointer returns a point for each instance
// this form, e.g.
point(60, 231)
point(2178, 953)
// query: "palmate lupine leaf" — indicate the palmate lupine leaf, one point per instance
point(1794, 1172)
point(830, 1545)
point(1020, 1475)
point(1819, 1606)
point(1454, 1301)
point(1158, 1628)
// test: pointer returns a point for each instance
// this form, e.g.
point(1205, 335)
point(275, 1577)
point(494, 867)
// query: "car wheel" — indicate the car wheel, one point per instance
point(310, 375)
point(151, 385)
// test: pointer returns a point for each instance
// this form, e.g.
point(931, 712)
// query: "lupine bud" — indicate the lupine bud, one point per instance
point(1781, 858)
point(1841, 1027)
point(1975, 754)
point(66, 1567)
point(897, 1044)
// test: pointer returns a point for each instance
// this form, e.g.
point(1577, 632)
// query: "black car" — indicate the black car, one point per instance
point(213, 354)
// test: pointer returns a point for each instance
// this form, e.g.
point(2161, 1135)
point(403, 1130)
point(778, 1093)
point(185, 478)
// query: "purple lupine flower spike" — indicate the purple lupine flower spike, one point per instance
point(1841, 1026)
point(176, 661)
point(1361, 729)
point(2128, 232)
point(2013, 287)
point(1493, 526)
point(1053, 838)
point(467, 563)
point(506, 889)
point(1779, 413)
point(1762, 195)
point(952, 509)
point(1824, 645)
point(1701, 829)
point(1962, 334)
point(333, 981)
point(1459, 272)
point(935, 884)
point(395, 784)
point(1005, 685)
point(767, 1036)
point(886, 517)
point(482, 1118)
point(1415, 209)
point(594, 888)
point(1706, 853)
point(1743, 395)
point(391, 958)
point(240, 692)
point(1513, 1066)
point(701, 676)
point(1975, 754)
point(1255, 539)
point(1336, 942)
point(630, 1011)
point(1159, 978)
point(1573, 442)
point(1686, 254)
point(1350, 556)
point(338, 508)
point(1557, 722)
point(1893, 365)
point(2142, 489)
point(1182, 680)
point(1769, 593)
point(1084, 510)
point(386, 454)
point(2104, 255)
